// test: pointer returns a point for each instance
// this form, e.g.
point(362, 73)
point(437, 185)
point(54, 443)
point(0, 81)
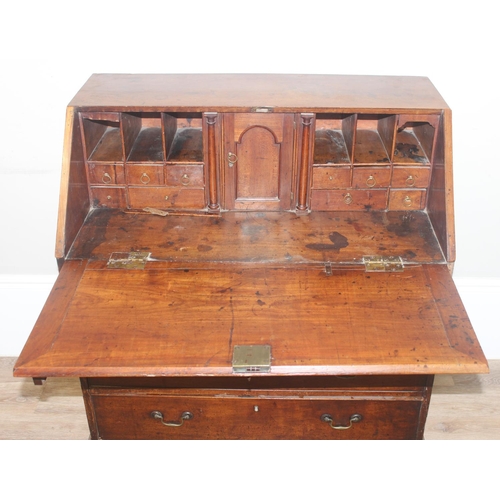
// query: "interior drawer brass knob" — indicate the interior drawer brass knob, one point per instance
point(185, 415)
point(371, 181)
point(185, 180)
point(407, 201)
point(410, 182)
point(145, 179)
point(326, 417)
point(106, 178)
point(348, 199)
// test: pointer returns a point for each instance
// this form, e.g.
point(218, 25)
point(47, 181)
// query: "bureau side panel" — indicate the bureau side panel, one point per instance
point(74, 198)
point(440, 201)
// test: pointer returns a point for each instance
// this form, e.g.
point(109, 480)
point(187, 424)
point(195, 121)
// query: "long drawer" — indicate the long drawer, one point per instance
point(216, 414)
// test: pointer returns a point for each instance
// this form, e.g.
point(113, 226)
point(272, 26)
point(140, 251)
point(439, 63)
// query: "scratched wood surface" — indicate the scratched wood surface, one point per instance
point(265, 237)
point(165, 320)
point(462, 407)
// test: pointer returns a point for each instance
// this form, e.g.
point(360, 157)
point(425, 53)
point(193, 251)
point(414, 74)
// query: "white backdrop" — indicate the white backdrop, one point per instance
point(48, 50)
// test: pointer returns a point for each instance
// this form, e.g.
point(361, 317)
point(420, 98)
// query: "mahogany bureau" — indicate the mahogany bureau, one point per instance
point(255, 257)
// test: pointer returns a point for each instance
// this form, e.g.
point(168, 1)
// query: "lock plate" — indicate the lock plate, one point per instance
point(252, 359)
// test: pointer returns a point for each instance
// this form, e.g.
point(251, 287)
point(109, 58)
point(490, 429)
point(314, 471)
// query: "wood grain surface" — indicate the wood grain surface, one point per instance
point(184, 320)
point(240, 92)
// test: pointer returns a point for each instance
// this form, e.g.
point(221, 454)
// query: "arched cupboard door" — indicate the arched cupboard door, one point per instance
point(258, 157)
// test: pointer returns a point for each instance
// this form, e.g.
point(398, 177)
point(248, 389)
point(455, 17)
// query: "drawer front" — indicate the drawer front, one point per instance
point(364, 178)
point(407, 199)
point(331, 177)
point(185, 175)
point(410, 177)
point(165, 197)
point(103, 174)
point(144, 175)
point(145, 417)
point(354, 199)
point(103, 197)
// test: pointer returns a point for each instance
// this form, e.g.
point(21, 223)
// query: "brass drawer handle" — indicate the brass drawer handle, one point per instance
point(407, 202)
point(185, 415)
point(185, 180)
point(352, 420)
point(106, 178)
point(410, 182)
point(348, 199)
point(145, 179)
point(371, 181)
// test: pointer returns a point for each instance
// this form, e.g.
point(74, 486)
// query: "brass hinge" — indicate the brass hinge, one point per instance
point(128, 260)
point(377, 263)
point(252, 358)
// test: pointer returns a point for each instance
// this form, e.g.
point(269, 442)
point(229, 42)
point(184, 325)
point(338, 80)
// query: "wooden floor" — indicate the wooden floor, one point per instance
point(462, 407)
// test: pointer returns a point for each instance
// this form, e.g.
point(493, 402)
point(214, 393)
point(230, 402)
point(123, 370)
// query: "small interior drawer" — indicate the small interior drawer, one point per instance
point(371, 177)
point(166, 197)
point(331, 177)
point(108, 197)
point(102, 174)
point(403, 177)
point(185, 175)
point(407, 199)
point(353, 199)
point(144, 175)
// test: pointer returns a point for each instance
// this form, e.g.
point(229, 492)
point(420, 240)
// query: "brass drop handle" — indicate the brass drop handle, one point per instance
point(185, 180)
point(410, 181)
point(326, 417)
point(348, 199)
point(371, 181)
point(407, 201)
point(145, 179)
point(106, 178)
point(232, 159)
point(185, 415)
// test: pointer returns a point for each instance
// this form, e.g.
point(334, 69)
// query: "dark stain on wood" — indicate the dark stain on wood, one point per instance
point(338, 241)
point(100, 225)
point(409, 254)
point(411, 151)
point(404, 228)
point(204, 248)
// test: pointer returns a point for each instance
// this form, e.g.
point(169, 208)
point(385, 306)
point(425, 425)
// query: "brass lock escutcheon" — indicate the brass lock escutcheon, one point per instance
point(353, 419)
point(185, 415)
